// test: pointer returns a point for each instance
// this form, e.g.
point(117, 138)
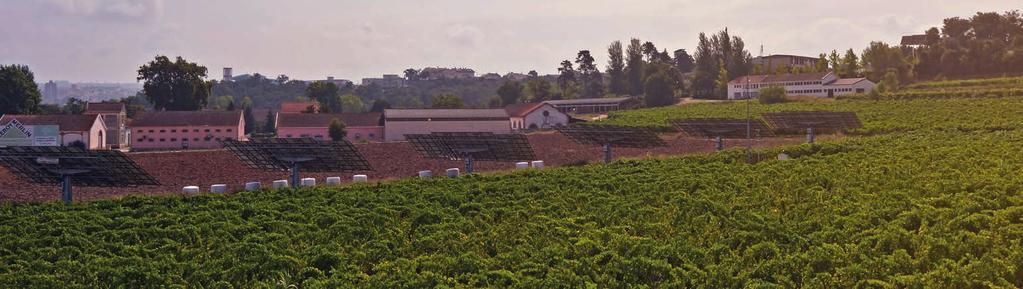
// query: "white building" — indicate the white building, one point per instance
point(533, 116)
point(823, 84)
point(399, 122)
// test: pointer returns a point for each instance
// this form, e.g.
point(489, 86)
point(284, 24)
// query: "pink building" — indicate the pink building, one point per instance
point(86, 128)
point(360, 126)
point(298, 107)
point(173, 130)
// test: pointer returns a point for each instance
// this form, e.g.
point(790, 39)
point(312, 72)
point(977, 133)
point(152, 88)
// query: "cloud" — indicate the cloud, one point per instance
point(464, 35)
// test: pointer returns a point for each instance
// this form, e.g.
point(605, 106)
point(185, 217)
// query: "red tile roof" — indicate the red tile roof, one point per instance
point(104, 107)
point(324, 119)
point(187, 118)
point(66, 122)
point(522, 109)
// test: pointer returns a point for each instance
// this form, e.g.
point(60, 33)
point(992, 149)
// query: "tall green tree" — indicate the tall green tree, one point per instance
point(721, 84)
point(351, 103)
point(850, 66)
point(822, 64)
point(566, 78)
point(890, 81)
point(684, 62)
point(327, 94)
point(539, 90)
point(592, 81)
point(659, 91)
point(634, 66)
point(175, 85)
point(411, 74)
point(270, 124)
point(834, 61)
point(616, 69)
point(74, 106)
point(19, 93)
point(880, 57)
point(337, 130)
point(250, 120)
point(447, 101)
point(510, 93)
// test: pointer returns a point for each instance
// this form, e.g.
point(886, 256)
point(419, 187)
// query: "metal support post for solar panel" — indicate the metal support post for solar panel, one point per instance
point(295, 161)
point(607, 153)
point(719, 143)
point(468, 164)
point(66, 194)
point(809, 135)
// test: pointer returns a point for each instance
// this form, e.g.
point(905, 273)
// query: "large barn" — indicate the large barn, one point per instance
point(399, 122)
point(359, 126)
point(821, 84)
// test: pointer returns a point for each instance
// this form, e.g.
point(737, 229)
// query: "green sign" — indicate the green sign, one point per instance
point(16, 134)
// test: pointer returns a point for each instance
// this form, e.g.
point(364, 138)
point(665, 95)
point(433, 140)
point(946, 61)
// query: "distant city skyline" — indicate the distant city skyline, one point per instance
point(107, 40)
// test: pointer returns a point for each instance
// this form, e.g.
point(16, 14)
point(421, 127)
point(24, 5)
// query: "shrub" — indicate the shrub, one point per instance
point(772, 94)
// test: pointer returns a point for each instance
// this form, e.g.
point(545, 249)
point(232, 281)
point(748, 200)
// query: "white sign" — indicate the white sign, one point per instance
point(14, 133)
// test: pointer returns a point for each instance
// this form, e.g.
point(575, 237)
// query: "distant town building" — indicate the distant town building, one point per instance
point(359, 126)
point(86, 128)
point(170, 130)
point(777, 61)
point(399, 122)
point(51, 93)
point(533, 116)
point(823, 84)
point(115, 117)
point(435, 73)
point(337, 81)
point(300, 107)
point(387, 81)
point(228, 73)
point(594, 105)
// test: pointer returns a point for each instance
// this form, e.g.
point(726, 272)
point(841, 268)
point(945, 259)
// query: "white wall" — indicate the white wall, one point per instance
point(554, 118)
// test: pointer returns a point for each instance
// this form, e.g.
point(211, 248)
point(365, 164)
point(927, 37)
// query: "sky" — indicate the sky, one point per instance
point(107, 40)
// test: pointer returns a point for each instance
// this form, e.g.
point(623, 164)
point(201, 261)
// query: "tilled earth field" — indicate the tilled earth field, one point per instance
point(390, 161)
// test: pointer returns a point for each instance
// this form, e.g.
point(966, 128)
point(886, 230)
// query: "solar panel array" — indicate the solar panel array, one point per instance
point(721, 127)
point(46, 164)
point(618, 136)
point(278, 154)
point(820, 121)
point(481, 146)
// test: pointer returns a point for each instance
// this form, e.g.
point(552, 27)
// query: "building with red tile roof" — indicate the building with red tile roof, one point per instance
point(531, 116)
point(359, 126)
point(173, 130)
point(819, 84)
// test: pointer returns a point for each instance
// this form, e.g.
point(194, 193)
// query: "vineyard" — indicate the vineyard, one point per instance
point(926, 195)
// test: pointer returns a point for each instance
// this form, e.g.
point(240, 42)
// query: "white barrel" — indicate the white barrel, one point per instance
point(218, 189)
point(308, 182)
point(538, 164)
point(190, 190)
point(280, 184)
point(521, 165)
point(783, 157)
point(452, 172)
point(333, 181)
point(252, 186)
point(360, 178)
point(425, 174)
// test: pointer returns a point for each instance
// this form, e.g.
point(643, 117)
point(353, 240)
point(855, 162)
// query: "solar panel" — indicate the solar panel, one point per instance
point(480, 146)
point(280, 154)
point(619, 136)
point(721, 127)
point(609, 136)
point(69, 166)
point(820, 121)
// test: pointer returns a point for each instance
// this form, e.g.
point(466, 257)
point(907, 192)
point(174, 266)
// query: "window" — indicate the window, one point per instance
point(174, 130)
point(288, 136)
point(142, 140)
point(207, 130)
point(218, 130)
point(140, 131)
point(150, 131)
point(195, 130)
point(162, 140)
point(228, 130)
point(163, 130)
point(174, 139)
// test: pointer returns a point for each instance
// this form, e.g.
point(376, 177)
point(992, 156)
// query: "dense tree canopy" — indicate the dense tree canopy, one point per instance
point(327, 94)
point(447, 101)
point(510, 93)
point(986, 44)
point(175, 85)
point(19, 93)
point(618, 84)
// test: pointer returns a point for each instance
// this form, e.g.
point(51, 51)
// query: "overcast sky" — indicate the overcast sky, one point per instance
point(106, 40)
